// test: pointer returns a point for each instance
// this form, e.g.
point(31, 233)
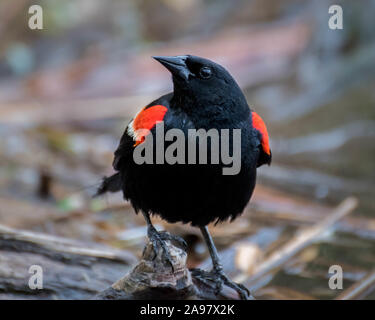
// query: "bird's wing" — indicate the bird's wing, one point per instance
point(260, 126)
point(138, 128)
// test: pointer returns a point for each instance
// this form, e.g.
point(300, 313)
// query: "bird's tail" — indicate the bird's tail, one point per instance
point(109, 184)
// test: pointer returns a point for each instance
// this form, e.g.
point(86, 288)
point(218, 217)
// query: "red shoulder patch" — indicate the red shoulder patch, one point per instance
point(259, 124)
point(144, 121)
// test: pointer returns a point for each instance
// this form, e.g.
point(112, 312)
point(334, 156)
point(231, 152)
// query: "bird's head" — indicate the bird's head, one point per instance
point(202, 81)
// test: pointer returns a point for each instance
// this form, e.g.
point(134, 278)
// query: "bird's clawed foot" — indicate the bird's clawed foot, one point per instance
point(158, 241)
point(221, 278)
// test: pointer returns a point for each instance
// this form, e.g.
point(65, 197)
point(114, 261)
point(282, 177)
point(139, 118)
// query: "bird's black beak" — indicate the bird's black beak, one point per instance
point(176, 65)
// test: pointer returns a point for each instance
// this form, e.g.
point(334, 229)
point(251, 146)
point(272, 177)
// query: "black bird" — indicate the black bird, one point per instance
point(205, 96)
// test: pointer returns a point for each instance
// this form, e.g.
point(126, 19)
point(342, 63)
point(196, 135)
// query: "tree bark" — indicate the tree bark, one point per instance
point(71, 269)
point(76, 270)
point(154, 278)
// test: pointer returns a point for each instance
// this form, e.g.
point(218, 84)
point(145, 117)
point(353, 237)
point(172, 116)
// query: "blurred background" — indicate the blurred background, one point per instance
point(68, 91)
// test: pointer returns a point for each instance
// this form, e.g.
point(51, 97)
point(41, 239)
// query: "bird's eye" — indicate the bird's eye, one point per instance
point(205, 72)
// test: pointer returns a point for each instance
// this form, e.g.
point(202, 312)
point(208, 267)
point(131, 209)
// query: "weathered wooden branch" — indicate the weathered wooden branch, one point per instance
point(71, 269)
point(76, 270)
point(153, 278)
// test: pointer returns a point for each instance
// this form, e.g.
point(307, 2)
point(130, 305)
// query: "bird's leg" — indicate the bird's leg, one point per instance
point(158, 239)
point(221, 277)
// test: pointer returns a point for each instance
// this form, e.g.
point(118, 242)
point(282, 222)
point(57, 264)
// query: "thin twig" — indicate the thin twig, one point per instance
point(65, 245)
point(359, 288)
point(302, 240)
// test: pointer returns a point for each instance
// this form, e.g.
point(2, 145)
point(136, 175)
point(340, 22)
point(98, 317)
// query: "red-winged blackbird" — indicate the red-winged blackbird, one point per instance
point(205, 96)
